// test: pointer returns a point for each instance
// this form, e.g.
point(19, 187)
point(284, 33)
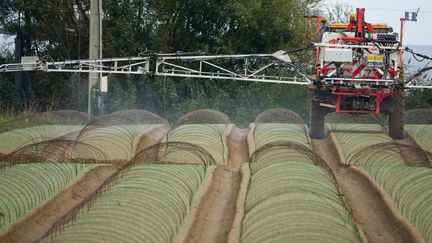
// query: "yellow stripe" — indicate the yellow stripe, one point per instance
point(344, 26)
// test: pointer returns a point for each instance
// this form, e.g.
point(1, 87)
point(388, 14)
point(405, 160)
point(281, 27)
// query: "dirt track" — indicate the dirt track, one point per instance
point(374, 213)
point(152, 137)
point(217, 208)
point(39, 222)
point(421, 158)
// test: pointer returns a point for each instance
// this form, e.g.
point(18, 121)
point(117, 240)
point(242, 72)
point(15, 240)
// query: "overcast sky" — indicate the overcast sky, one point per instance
point(390, 12)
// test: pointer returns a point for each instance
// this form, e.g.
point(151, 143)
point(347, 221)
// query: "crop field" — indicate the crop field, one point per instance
point(27, 186)
point(15, 139)
point(150, 203)
point(211, 137)
point(409, 187)
point(422, 134)
point(117, 142)
point(131, 176)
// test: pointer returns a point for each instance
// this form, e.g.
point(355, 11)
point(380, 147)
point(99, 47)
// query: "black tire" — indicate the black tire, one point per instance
point(397, 116)
point(317, 116)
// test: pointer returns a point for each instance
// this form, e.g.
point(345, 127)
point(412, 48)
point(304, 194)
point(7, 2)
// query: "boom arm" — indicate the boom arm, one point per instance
point(265, 68)
point(251, 67)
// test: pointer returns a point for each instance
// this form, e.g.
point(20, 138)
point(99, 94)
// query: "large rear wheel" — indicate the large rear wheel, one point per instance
point(317, 116)
point(397, 116)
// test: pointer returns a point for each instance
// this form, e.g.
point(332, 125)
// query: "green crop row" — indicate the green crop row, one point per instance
point(266, 133)
point(210, 137)
point(278, 154)
point(117, 142)
point(295, 202)
point(411, 190)
point(25, 187)
point(353, 138)
point(149, 204)
point(422, 134)
point(12, 140)
point(289, 198)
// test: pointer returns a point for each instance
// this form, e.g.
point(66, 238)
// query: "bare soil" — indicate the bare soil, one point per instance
point(238, 151)
point(150, 138)
point(421, 158)
point(376, 216)
point(73, 136)
point(245, 174)
point(217, 208)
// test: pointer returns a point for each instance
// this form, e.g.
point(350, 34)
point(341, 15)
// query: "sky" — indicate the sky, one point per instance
point(390, 12)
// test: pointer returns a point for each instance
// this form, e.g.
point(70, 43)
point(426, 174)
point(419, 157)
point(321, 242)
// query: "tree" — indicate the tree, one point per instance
point(59, 29)
point(8, 99)
point(338, 12)
point(419, 99)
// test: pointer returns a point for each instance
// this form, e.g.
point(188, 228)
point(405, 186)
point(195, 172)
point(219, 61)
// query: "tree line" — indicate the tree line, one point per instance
point(59, 29)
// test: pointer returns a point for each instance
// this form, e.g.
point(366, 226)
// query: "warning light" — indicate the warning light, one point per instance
point(352, 18)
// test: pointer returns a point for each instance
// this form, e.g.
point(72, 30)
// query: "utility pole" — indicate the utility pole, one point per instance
point(95, 46)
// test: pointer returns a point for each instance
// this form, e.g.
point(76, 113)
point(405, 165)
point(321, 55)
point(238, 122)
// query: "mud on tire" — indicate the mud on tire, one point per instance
point(397, 117)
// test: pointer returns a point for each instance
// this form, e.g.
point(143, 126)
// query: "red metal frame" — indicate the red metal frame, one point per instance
point(360, 22)
point(353, 39)
point(402, 20)
point(379, 95)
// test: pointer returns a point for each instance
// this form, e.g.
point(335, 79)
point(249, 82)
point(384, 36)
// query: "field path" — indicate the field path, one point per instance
point(375, 214)
point(151, 137)
point(62, 206)
point(217, 208)
point(421, 158)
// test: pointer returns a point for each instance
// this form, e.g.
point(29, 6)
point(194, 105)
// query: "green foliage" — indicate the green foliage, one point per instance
point(122, 94)
point(8, 99)
point(74, 93)
point(190, 25)
point(241, 101)
point(131, 26)
point(263, 26)
point(417, 99)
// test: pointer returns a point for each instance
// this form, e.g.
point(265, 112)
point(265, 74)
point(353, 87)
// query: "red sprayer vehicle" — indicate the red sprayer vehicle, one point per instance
point(359, 69)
